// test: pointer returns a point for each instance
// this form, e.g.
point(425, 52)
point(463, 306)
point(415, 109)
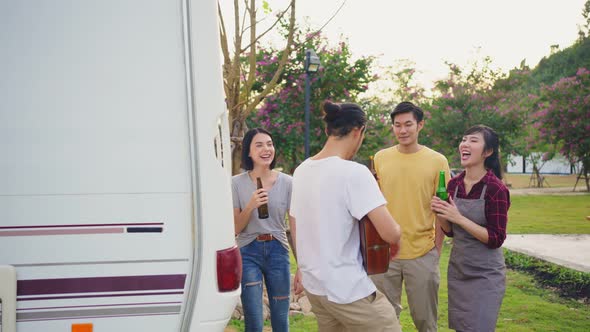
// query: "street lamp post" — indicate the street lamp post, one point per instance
point(312, 65)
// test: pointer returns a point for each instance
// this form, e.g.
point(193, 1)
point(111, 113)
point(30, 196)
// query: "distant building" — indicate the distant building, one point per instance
point(558, 165)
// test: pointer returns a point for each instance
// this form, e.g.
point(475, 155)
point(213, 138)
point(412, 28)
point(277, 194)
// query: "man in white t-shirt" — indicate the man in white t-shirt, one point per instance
point(330, 194)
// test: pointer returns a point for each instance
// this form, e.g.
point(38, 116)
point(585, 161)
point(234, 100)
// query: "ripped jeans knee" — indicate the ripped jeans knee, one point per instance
point(265, 265)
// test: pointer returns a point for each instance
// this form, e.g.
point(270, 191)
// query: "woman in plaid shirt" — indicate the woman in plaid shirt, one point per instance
point(476, 216)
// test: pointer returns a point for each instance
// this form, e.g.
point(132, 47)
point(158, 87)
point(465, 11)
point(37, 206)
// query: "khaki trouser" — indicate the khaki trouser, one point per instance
point(421, 277)
point(370, 314)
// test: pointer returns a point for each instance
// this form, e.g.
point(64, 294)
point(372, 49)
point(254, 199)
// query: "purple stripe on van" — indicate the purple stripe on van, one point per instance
point(85, 225)
point(99, 284)
point(99, 305)
point(93, 296)
point(43, 232)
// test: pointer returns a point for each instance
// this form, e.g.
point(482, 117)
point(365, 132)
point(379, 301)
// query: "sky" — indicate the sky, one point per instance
point(430, 32)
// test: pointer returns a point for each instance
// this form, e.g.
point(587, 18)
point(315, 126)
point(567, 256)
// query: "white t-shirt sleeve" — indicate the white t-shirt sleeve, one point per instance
point(363, 194)
point(293, 196)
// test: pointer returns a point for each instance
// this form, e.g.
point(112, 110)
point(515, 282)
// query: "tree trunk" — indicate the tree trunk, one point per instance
point(536, 179)
point(585, 169)
point(584, 172)
point(238, 129)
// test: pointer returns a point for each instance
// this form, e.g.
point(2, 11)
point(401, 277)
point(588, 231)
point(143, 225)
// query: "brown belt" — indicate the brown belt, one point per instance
point(264, 237)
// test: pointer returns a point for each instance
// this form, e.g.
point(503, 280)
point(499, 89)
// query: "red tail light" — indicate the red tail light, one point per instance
point(229, 269)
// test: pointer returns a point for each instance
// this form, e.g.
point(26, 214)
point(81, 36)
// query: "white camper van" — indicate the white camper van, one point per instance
point(115, 201)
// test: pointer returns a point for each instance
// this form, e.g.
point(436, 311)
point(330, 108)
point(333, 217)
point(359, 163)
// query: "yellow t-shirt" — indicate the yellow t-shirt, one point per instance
point(408, 182)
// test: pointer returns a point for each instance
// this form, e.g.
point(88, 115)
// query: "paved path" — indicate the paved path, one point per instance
point(569, 250)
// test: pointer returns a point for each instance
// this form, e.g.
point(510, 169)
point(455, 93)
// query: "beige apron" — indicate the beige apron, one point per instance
point(476, 274)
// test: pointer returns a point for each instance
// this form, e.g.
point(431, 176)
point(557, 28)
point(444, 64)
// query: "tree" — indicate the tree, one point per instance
point(243, 90)
point(465, 99)
point(562, 119)
point(405, 86)
point(378, 134)
point(519, 92)
point(340, 78)
point(396, 85)
point(584, 30)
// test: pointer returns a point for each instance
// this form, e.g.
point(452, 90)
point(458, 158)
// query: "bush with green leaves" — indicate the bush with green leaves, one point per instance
point(569, 282)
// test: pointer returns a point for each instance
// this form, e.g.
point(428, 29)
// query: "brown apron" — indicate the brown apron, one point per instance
point(476, 275)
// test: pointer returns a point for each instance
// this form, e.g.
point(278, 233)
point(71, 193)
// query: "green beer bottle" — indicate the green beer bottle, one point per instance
point(441, 190)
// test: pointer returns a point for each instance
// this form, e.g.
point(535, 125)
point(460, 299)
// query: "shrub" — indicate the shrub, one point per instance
point(568, 282)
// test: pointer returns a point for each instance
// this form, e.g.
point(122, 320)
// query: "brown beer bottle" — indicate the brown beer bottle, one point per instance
point(262, 209)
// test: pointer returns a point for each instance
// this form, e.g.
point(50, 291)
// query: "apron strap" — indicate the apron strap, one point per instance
point(455, 195)
point(483, 191)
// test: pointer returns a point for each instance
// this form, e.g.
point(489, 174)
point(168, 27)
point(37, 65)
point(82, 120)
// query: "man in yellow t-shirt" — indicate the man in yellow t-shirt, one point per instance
point(408, 177)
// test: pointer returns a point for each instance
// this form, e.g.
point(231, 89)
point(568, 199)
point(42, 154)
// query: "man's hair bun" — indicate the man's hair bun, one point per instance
point(331, 110)
point(341, 118)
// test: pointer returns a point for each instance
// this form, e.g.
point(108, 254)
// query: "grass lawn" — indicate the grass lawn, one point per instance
point(522, 180)
point(549, 214)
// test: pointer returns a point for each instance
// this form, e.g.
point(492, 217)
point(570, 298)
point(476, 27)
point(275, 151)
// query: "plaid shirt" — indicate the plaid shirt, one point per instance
point(497, 199)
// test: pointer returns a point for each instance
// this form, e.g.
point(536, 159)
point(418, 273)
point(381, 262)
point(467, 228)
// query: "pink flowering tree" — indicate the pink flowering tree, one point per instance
point(339, 79)
point(405, 84)
point(466, 98)
point(519, 93)
point(562, 119)
point(378, 134)
point(397, 84)
point(240, 43)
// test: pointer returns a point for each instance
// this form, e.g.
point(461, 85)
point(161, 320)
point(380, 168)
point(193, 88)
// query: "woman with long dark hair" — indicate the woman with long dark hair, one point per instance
point(263, 241)
point(476, 216)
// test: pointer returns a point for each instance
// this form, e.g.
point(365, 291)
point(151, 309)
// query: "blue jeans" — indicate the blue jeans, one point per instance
point(271, 260)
